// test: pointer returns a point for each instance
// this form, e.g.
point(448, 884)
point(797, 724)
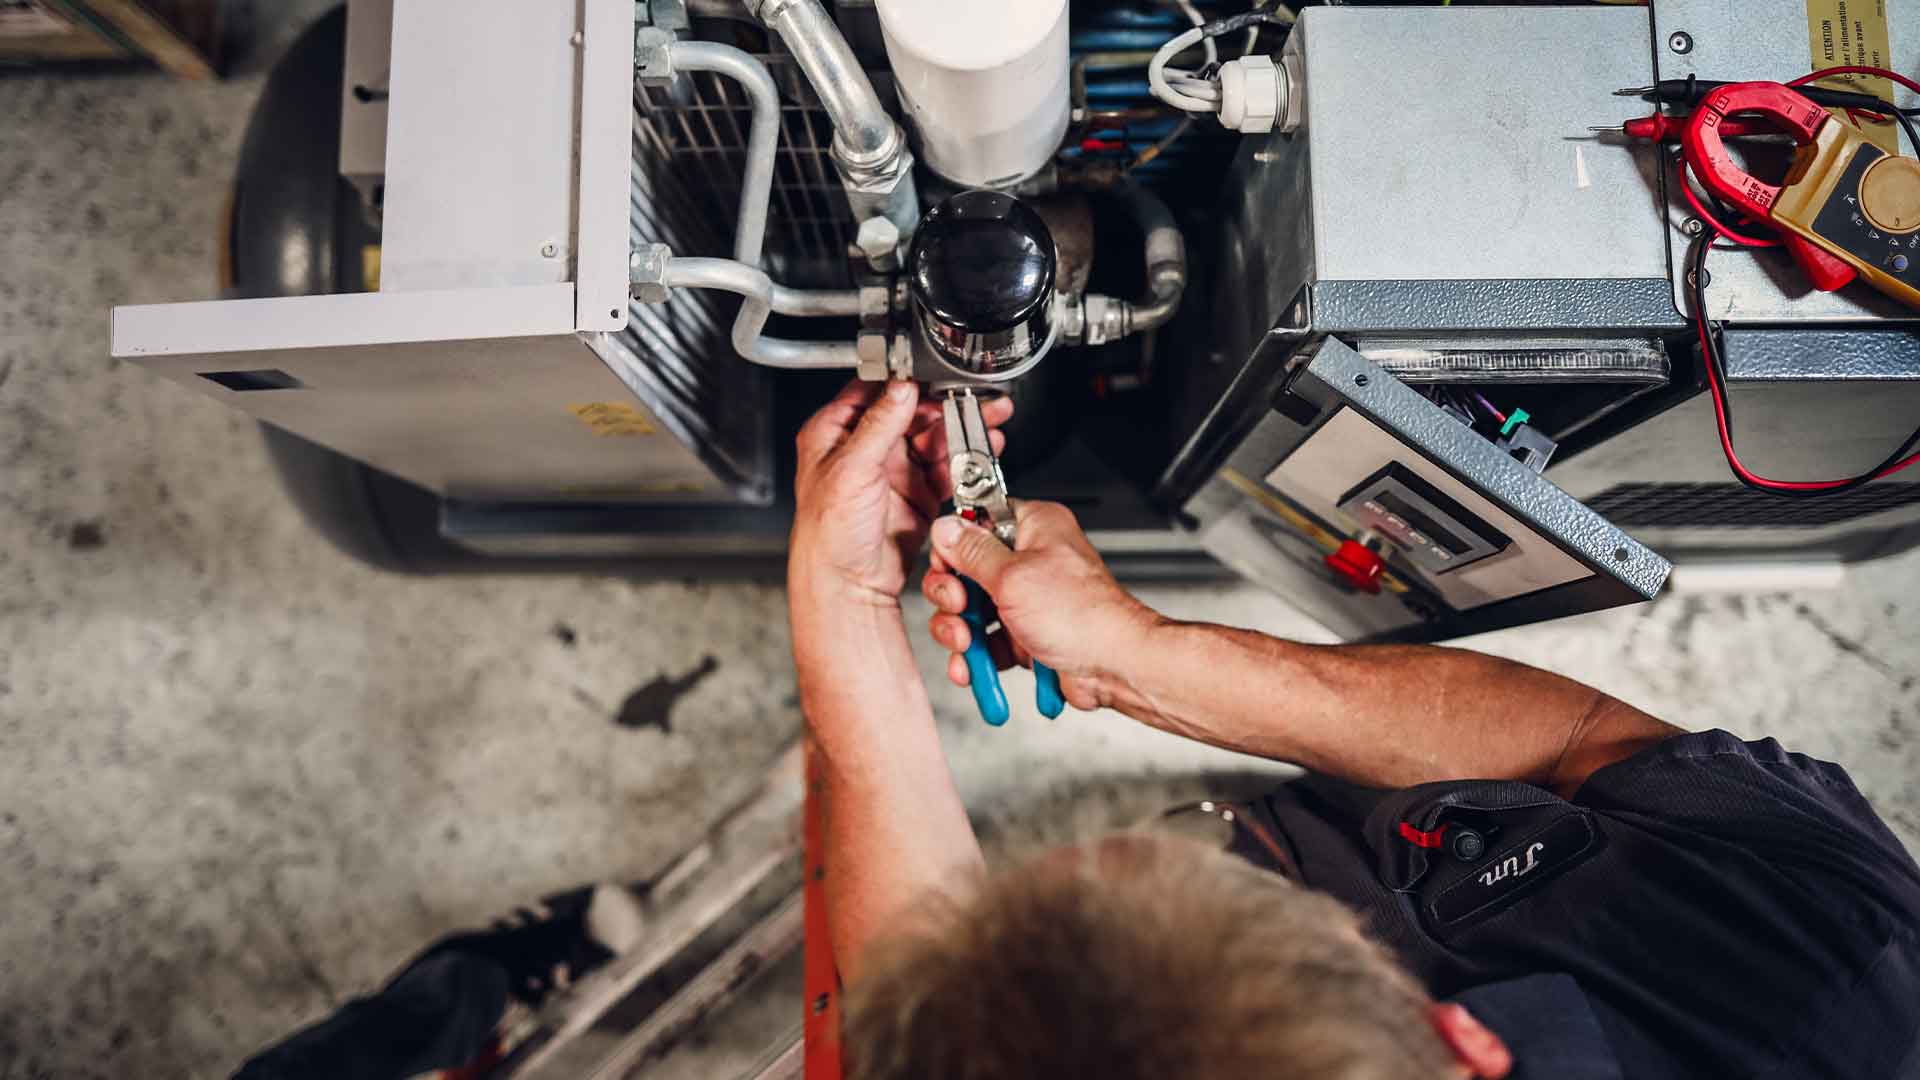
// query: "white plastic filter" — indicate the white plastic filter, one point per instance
point(985, 83)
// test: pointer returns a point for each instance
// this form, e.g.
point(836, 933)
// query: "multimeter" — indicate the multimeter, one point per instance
point(1847, 207)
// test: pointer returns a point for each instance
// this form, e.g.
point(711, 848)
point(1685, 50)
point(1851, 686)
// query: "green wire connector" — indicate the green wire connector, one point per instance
point(1514, 420)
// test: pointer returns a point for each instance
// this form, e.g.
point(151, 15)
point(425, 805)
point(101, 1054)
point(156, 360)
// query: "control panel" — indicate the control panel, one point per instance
point(1436, 532)
point(1869, 216)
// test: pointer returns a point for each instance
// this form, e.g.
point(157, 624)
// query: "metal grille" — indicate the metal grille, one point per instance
point(698, 126)
point(689, 154)
point(1735, 505)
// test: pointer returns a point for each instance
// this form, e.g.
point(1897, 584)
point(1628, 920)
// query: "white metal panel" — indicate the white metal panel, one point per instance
point(606, 164)
point(498, 419)
point(480, 144)
point(347, 319)
point(363, 105)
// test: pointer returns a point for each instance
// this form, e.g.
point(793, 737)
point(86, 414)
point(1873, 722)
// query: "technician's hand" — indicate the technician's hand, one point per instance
point(1057, 600)
point(872, 474)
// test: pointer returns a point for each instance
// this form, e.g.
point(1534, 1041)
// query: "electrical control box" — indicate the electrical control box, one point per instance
point(1435, 531)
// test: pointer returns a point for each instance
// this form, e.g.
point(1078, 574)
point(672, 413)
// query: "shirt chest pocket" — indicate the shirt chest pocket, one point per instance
point(1456, 893)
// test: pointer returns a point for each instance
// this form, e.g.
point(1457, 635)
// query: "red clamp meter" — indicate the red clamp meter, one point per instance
point(1847, 208)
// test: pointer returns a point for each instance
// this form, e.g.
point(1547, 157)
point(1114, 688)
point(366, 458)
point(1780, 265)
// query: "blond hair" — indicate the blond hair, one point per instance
point(1142, 956)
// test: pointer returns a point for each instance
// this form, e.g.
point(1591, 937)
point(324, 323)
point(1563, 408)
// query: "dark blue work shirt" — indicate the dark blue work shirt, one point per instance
point(1707, 908)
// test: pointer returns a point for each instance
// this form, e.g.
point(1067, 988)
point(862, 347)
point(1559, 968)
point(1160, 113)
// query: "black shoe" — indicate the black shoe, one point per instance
point(574, 933)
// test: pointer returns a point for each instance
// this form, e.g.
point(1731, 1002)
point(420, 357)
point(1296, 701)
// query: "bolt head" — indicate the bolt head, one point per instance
point(877, 237)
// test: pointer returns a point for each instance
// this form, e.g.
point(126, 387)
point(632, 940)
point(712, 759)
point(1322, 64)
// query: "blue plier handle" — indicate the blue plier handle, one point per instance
point(984, 677)
point(980, 495)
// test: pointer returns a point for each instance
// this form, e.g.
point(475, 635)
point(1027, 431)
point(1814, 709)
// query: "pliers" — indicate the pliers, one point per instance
point(980, 496)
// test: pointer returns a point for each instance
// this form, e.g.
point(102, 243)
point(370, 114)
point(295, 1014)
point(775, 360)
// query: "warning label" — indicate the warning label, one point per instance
point(614, 418)
point(1853, 33)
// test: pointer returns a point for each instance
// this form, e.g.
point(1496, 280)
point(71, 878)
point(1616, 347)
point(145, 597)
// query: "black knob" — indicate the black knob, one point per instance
point(1467, 845)
point(981, 272)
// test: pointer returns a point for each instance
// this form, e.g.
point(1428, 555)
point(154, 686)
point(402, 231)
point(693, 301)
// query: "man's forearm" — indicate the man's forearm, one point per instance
point(1382, 716)
point(896, 829)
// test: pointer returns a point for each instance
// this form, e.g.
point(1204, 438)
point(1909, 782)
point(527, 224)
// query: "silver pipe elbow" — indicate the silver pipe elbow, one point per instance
point(763, 134)
point(1166, 255)
point(760, 298)
point(869, 149)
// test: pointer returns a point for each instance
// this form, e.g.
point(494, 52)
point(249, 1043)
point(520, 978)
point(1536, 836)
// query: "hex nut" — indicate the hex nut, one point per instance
point(871, 348)
point(878, 237)
point(653, 54)
point(647, 273)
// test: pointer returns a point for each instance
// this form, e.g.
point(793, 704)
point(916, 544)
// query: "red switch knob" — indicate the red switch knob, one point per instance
point(1354, 564)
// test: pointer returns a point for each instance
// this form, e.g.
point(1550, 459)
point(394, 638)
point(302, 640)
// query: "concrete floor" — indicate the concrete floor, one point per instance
point(242, 776)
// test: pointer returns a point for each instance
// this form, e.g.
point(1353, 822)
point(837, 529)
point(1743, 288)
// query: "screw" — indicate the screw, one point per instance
point(549, 249)
point(1705, 278)
point(1619, 554)
point(1361, 379)
point(1680, 41)
point(1692, 226)
point(820, 1004)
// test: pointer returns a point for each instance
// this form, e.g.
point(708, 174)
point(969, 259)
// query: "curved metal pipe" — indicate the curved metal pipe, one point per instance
point(869, 150)
point(759, 298)
point(763, 135)
point(861, 125)
point(812, 302)
point(1166, 260)
point(1101, 319)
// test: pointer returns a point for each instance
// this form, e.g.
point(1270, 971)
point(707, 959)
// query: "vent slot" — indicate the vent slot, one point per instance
point(1735, 505)
point(262, 379)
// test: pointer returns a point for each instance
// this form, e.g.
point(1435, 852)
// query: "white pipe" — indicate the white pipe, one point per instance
point(1166, 251)
point(760, 297)
point(809, 302)
point(763, 136)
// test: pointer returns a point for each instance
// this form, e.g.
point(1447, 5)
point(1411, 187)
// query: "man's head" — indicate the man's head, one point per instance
point(1152, 957)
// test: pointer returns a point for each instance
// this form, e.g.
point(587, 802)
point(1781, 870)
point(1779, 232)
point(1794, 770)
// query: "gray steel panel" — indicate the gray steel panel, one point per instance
point(1535, 304)
point(1765, 39)
point(1266, 241)
point(1820, 355)
point(1451, 143)
point(1569, 560)
point(1528, 495)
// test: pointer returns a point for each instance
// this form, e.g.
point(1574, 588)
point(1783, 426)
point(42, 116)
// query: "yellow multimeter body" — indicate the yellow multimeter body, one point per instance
point(1860, 204)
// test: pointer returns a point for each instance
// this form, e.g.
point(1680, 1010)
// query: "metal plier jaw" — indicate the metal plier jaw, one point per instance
point(980, 496)
point(979, 487)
